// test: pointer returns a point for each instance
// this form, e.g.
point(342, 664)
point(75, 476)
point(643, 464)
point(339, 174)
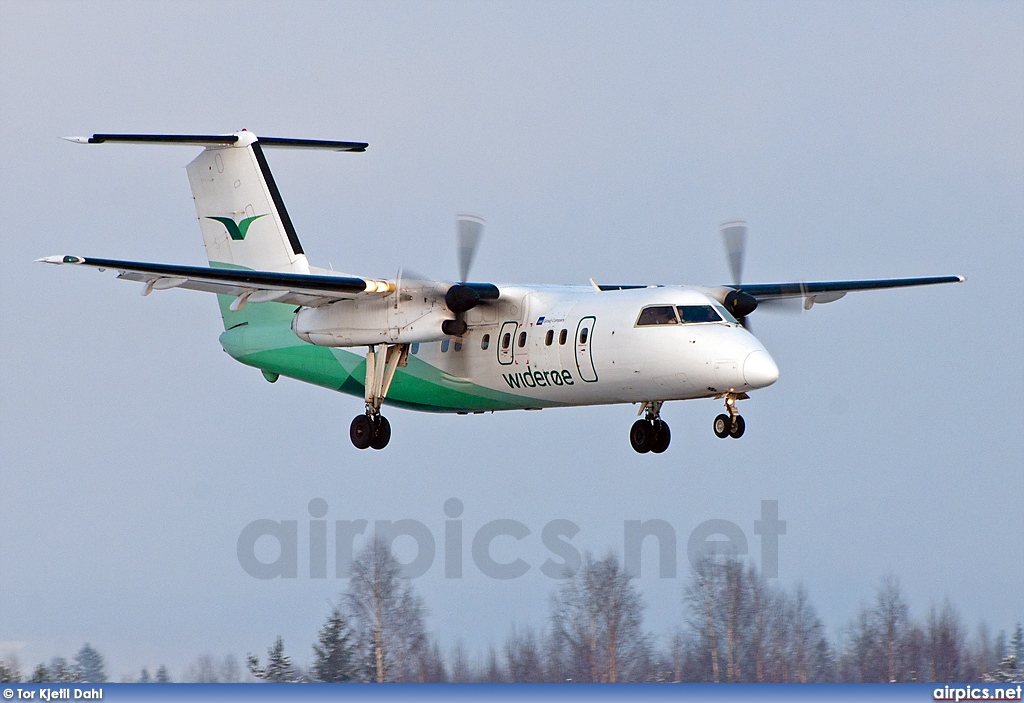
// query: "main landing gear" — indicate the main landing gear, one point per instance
point(373, 429)
point(731, 424)
point(650, 433)
point(370, 431)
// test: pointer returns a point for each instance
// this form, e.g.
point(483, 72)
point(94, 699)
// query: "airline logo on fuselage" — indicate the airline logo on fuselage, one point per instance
point(237, 230)
point(535, 378)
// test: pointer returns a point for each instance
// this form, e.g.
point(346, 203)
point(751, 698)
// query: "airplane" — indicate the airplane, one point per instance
point(459, 346)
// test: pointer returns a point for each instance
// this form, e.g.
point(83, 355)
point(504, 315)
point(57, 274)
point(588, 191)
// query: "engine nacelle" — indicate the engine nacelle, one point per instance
point(737, 302)
point(353, 323)
point(740, 304)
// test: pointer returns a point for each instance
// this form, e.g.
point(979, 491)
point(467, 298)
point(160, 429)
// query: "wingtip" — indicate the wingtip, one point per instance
point(60, 260)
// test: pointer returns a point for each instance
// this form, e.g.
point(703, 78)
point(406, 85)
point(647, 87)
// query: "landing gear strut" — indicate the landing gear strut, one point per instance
point(373, 429)
point(731, 424)
point(651, 433)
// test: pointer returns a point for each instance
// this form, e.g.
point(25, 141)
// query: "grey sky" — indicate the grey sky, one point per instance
point(605, 140)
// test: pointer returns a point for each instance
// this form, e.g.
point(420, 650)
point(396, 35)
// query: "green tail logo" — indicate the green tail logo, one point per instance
point(237, 230)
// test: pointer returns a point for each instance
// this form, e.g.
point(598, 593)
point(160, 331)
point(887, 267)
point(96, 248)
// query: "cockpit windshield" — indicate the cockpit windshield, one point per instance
point(657, 315)
point(685, 314)
point(698, 313)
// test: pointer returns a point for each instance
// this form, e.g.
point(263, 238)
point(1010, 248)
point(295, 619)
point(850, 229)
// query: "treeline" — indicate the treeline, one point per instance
point(735, 626)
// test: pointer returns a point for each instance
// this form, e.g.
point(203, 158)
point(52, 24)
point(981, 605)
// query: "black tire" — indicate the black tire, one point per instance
point(361, 431)
point(722, 425)
point(738, 427)
point(381, 433)
point(641, 436)
point(662, 437)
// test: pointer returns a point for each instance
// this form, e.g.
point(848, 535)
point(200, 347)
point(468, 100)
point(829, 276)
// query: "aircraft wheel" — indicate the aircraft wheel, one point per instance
point(381, 434)
point(662, 437)
point(361, 431)
point(738, 427)
point(641, 436)
point(722, 425)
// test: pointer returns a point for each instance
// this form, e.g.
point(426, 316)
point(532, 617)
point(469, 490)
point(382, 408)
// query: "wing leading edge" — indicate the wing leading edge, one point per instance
point(827, 291)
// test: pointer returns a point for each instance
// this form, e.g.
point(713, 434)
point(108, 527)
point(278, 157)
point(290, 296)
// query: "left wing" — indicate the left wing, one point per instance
point(246, 285)
point(828, 291)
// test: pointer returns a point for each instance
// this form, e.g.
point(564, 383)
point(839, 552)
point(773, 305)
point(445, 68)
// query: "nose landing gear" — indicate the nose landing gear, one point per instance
point(731, 424)
point(651, 433)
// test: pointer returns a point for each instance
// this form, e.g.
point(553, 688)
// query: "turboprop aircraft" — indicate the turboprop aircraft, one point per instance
point(459, 346)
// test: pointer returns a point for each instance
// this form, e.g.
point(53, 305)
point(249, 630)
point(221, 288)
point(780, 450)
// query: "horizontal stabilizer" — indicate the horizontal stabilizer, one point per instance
point(219, 140)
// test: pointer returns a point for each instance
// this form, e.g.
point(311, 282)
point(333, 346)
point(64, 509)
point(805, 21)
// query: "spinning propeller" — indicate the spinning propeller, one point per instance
point(734, 235)
point(463, 296)
point(740, 304)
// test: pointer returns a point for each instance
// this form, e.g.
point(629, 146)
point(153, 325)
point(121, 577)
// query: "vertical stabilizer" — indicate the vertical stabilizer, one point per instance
point(241, 214)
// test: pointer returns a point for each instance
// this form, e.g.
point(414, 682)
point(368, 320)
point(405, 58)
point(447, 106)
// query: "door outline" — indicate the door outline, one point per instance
point(505, 354)
point(584, 353)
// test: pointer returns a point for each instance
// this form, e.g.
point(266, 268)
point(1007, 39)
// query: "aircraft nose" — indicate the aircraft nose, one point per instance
point(759, 369)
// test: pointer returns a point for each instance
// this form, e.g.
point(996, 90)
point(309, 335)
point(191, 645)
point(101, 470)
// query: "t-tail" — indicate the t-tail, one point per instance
point(242, 216)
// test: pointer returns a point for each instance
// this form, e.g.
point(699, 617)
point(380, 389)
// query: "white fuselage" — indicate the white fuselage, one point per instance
point(584, 347)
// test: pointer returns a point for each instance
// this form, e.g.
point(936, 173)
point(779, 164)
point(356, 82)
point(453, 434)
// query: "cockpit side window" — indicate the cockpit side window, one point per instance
point(726, 315)
point(657, 315)
point(698, 313)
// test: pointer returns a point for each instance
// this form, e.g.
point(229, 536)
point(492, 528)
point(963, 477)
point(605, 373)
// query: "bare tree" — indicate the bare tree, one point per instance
point(596, 619)
point(493, 673)
point(742, 629)
point(230, 671)
point(202, 670)
point(430, 664)
point(892, 616)
point(882, 642)
point(461, 670)
point(387, 614)
point(944, 643)
point(701, 596)
point(523, 656)
point(811, 655)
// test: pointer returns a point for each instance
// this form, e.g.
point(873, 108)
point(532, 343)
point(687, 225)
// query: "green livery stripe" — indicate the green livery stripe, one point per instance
point(260, 335)
point(275, 349)
point(254, 313)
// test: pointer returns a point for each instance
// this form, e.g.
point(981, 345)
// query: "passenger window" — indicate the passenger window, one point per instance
point(506, 340)
point(415, 348)
point(657, 315)
point(522, 339)
point(549, 337)
point(583, 335)
point(444, 345)
point(562, 336)
point(458, 346)
point(698, 313)
point(485, 341)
